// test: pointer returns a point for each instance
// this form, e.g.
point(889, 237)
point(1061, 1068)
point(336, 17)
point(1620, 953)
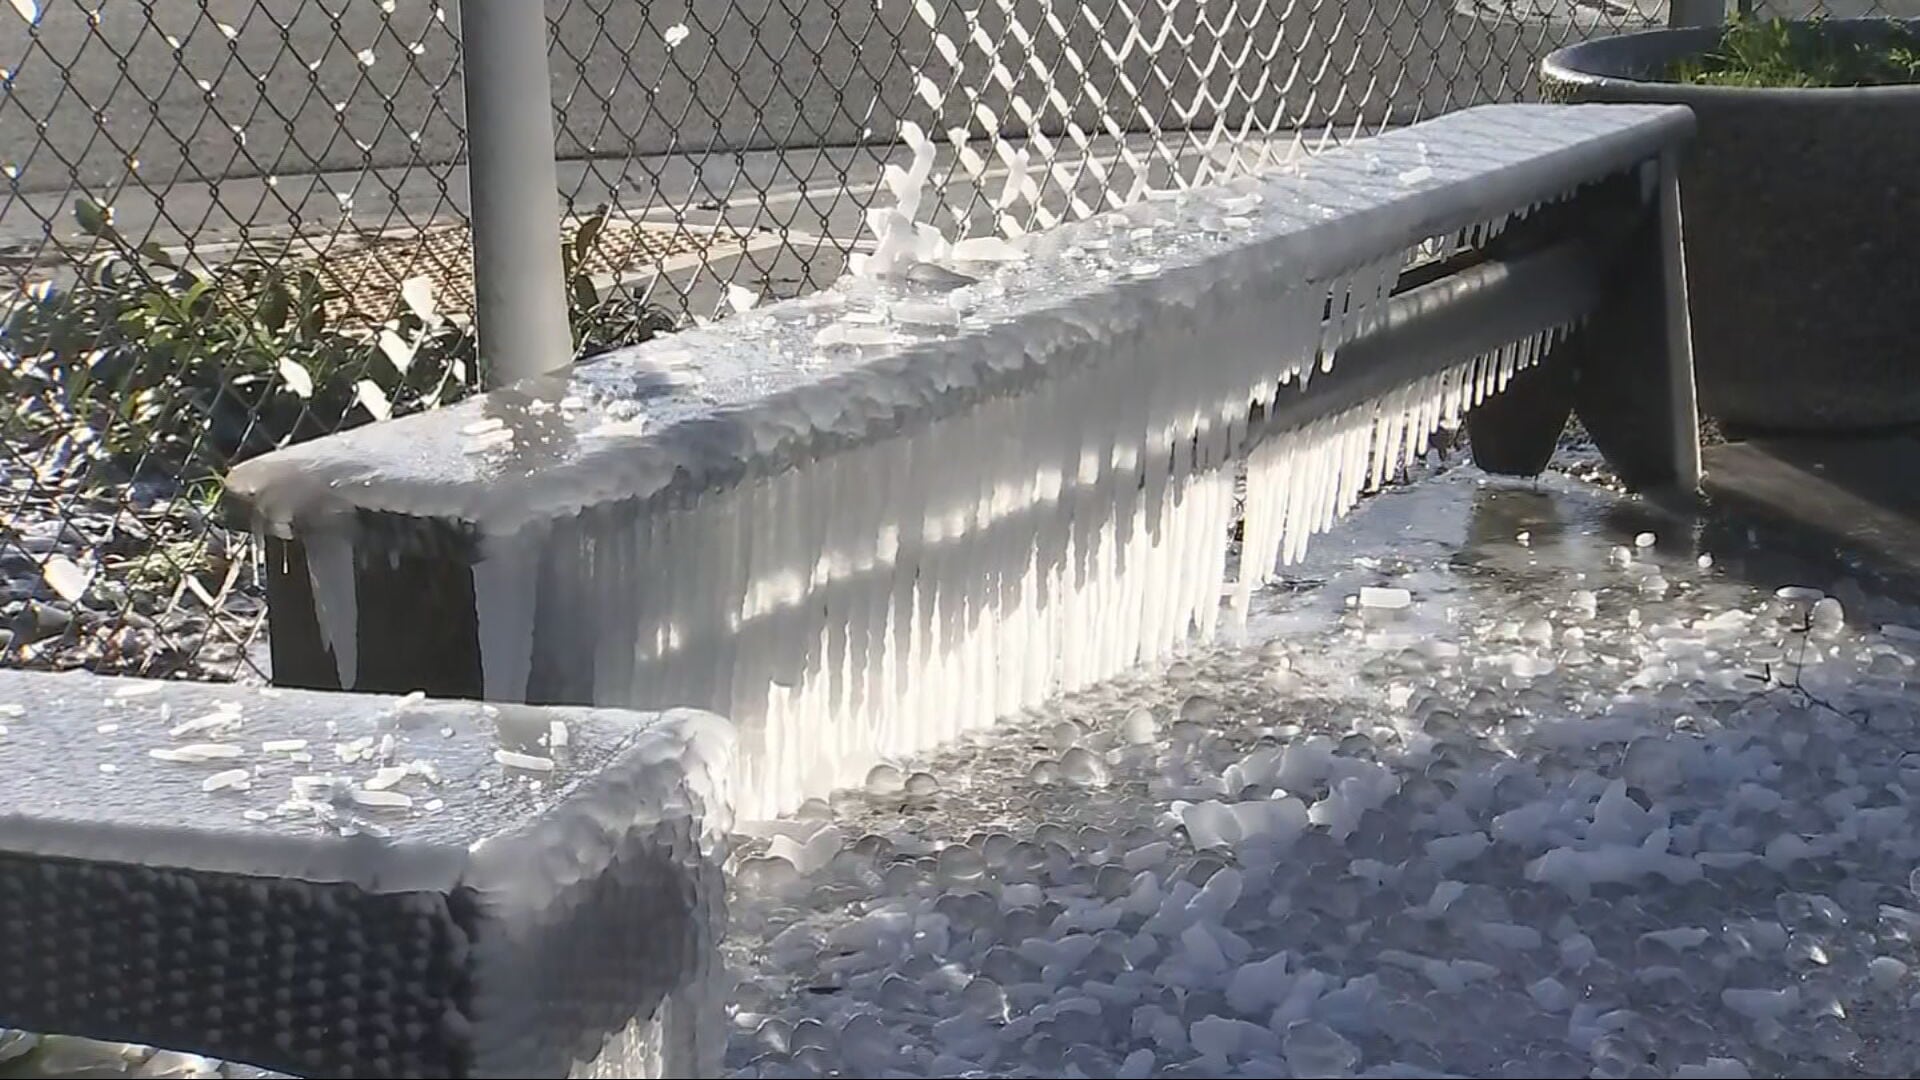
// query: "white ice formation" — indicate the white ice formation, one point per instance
point(859, 534)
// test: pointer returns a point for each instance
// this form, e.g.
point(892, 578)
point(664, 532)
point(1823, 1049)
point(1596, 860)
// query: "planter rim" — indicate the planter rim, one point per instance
point(1592, 63)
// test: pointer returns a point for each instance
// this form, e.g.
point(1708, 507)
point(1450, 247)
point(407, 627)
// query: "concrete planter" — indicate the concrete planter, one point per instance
point(1802, 218)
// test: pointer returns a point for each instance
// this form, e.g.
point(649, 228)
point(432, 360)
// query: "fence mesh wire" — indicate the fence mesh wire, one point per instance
point(231, 223)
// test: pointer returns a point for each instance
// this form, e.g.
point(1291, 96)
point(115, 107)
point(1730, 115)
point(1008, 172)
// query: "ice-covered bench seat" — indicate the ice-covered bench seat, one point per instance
point(861, 521)
point(334, 885)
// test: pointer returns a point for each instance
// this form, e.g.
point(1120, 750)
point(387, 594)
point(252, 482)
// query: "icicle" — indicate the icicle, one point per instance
point(336, 607)
point(504, 582)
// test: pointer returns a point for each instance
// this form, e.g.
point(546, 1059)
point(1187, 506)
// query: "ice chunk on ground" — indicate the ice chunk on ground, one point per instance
point(1384, 599)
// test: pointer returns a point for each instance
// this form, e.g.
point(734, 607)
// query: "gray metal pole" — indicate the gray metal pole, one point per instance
point(519, 295)
point(1682, 13)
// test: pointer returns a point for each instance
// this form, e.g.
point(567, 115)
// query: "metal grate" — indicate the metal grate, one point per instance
point(230, 223)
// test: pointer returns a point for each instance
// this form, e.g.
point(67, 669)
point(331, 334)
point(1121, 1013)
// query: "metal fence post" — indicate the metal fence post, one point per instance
point(1683, 13)
point(519, 291)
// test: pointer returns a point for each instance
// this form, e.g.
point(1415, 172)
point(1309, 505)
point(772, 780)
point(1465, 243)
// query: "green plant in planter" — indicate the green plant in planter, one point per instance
point(1779, 53)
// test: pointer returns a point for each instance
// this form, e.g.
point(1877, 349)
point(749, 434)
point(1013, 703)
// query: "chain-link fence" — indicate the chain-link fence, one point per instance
point(230, 223)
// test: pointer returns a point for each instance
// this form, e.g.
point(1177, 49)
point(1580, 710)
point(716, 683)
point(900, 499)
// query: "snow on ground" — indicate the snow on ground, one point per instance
point(1583, 807)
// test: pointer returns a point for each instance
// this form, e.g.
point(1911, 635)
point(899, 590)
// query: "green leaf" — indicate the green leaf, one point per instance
point(274, 306)
point(589, 231)
point(94, 219)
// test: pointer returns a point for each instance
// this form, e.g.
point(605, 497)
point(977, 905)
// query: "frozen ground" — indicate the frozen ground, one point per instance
point(1582, 808)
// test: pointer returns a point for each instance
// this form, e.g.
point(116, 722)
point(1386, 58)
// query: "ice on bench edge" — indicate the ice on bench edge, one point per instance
point(528, 812)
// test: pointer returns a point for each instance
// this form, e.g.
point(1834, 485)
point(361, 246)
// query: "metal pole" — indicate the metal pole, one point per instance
point(519, 291)
point(1683, 404)
point(1682, 13)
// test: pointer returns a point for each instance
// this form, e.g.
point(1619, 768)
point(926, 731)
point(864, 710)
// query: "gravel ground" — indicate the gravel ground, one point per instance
point(125, 582)
point(1579, 808)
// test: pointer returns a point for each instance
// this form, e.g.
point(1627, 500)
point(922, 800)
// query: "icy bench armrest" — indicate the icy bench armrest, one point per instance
point(334, 885)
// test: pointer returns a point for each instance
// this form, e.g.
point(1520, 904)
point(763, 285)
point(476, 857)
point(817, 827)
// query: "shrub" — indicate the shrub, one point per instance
point(147, 368)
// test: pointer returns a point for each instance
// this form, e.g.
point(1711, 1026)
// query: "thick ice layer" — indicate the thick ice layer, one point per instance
point(858, 530)
point(523, 851)
point(1320, 854)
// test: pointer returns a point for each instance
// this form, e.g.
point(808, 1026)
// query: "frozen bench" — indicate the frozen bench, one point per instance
point(862, 521)
point(477, 891)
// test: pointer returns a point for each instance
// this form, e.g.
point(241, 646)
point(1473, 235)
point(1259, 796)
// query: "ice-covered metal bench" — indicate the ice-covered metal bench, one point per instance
point(859, 522)
point(334, 885)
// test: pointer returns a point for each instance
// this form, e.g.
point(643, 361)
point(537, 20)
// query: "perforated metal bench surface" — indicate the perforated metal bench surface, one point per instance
point(374, 886)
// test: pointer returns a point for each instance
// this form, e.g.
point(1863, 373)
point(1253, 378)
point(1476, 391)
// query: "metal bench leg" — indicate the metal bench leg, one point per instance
point(1514, 432)
point(1634, 358)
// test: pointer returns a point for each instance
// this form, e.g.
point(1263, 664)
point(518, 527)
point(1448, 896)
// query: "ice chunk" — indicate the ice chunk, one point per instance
point(1827, 617)
point(514, 759)
point(1886, 973)
point(1139, 728)
point(884, 779)
point(986, 249)
point(198, 752)
point(1082, 768)
point(1645, 540)
point(1385, 599)
point(228, 780)
point(1714, 1068)
point(381, 800)
point(1314, 1049)
point(1552, 995)
point(1227, 1037)
point(1759, 1004)
point(1258, 986)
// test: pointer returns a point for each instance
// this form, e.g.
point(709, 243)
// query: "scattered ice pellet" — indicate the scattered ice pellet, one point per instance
point(1138, 727)
point(1386, 599)
point(1705, 561)
point(283, 746)
point(557, 734)
point(138, 689)
point(218, 720)
point(1645, 540)
point(1620, 555)
point(228, 780)
point(196, 752)
point(386, 777)
point(981, 249)
point(65, 577)
point(514, 759)
point(255, 815)
point(884, 779)
point(385, 800)
point(1798, 594)
point(1760, 1004)
point(1827, 617)
point(1886, 972)
point(1081, 768)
